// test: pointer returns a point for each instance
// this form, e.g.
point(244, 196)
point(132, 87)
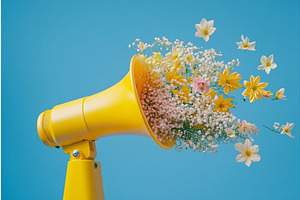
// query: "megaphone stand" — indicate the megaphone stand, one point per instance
point(83, 179)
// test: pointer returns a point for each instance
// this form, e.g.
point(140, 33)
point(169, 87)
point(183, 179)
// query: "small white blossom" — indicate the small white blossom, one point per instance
point(267, 63)
point(142, 46)
point(230, 132)
point(245, 44)
point(286, 129)
point(205, 29)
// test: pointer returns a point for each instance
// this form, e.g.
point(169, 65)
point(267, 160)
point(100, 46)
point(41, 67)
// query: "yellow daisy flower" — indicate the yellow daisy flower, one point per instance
point(175, 78)
point(211, 92)
point(255, 89)
point(230, 81)
point(222, 104)
point(183, 94)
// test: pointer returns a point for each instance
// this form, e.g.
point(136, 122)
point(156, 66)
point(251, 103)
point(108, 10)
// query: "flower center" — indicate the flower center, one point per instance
point(268, 64)
point(248, 153)
point(221, 106)
point(286, 130)
point(175, 57)
point(205, 31)
point(246, 45)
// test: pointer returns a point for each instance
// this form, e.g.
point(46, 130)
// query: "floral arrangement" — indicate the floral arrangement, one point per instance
point(190, 96)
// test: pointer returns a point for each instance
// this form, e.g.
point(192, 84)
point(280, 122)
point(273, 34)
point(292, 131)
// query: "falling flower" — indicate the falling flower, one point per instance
point(248, 152)
point(254, 89)
point(267, 63)
point(222, 104)
point(286, 129)
point(205, 29)
point(142, 46)
point(245, 44)
point(200, 85)
point(279, 94)
point(230, 81)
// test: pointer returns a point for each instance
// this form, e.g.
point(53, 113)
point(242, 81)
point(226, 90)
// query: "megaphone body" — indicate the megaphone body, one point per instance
point(75, 125)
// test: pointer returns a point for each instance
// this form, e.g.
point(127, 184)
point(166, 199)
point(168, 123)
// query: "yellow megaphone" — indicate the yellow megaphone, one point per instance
point(77, 124)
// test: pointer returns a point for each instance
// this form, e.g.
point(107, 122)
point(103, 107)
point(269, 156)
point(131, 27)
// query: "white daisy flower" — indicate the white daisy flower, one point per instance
point(267, 63)
point(245, 44)
point(205, 29)
point(248, 152)
point(286, 129)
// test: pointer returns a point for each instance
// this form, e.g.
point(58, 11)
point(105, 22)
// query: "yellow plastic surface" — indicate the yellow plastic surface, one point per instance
point(114, 111)
point(83, 181)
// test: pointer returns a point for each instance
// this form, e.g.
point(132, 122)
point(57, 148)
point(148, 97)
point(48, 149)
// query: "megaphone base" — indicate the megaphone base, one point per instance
point(84, 179)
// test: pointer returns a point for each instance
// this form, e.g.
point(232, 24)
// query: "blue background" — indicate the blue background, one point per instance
point(60, 50)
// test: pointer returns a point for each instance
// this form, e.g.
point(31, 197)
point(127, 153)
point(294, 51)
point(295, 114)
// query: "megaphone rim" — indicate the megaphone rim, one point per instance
point(133, 82)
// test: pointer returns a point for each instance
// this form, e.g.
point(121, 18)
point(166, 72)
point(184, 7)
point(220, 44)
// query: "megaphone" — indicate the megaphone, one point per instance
point(75, 126)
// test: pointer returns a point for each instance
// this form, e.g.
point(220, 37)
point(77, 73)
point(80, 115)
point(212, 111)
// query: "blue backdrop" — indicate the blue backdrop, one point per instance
point(54, 51)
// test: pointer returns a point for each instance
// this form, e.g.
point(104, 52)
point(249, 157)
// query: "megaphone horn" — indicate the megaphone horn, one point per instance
point(114, 111)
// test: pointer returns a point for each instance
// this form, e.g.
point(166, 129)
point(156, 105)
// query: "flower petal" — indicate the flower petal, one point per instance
point(248, 162)
point(240, 158)
point(247, 144)
point(263, 59)
point(255, 148)
point(239, 147)
point(212, 30)
point(271, 58)
point(255, 157)
point(210, 24)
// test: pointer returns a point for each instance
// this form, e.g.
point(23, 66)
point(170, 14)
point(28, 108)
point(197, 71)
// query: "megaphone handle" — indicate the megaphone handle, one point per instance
point(83, 179)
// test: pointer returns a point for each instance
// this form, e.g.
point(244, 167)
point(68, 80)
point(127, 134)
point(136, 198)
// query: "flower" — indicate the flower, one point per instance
point(205, 29)
point(286, 129)
point(268, 94)
point(157, 57)
point(222, 104)
point(230, 132)
point(254, 89)
point(230, 81)
point(174, 78)
point(245, 44)
point(200, 85)
point(279, 94)
point(267, 63)
point(244, 127)
point(183, 94)
point(175, 54)
point(189, 58)
point(248, 152)
point(211, 92)
point(142, 46)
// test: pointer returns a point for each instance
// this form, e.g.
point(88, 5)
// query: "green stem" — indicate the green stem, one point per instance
point(270, 129)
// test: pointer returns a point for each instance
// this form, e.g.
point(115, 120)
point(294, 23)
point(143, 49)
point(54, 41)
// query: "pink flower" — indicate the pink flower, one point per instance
point(200, 85)
point(242, 128)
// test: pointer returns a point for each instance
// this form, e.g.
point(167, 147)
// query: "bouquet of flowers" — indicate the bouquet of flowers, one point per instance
point(190, 96)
